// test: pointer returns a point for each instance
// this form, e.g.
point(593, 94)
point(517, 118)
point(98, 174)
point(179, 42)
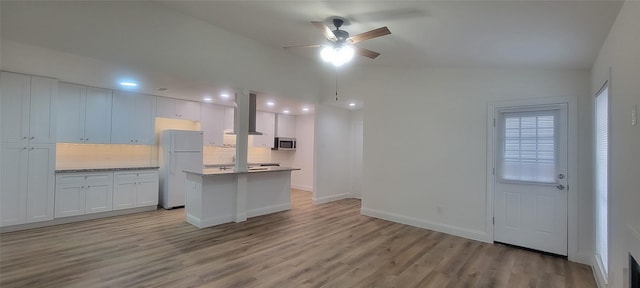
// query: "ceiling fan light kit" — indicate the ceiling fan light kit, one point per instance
point(341, 49)
point(337, 55)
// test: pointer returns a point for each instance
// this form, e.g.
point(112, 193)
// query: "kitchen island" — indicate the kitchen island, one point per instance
point(215, 196)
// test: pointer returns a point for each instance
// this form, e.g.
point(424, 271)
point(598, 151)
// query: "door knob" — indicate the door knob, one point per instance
point(560, 187)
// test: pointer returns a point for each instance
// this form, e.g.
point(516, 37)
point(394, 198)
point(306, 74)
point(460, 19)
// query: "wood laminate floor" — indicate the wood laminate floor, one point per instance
point(328, 245)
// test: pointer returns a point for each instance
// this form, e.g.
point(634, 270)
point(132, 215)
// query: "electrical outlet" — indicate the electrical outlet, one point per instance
point(634, 115)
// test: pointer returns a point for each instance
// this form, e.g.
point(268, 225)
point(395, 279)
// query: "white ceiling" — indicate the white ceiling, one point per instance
point(498, 34)
point(158, 43)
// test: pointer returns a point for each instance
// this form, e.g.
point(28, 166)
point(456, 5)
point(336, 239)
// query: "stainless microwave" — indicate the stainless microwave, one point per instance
point(282, 143)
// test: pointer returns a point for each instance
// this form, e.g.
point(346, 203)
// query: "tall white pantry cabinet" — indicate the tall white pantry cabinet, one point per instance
point(27, 145)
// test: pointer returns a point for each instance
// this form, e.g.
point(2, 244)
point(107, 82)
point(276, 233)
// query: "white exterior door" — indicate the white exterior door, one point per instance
point(530, 203)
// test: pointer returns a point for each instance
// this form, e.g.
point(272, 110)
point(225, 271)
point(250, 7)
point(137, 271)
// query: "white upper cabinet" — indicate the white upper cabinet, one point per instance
point(229, 114)
point(286, 126)
point(265, 122)
point(133, 118)
point(27, 110)
point(178, 109)
point(212, 123)
point(85, 114)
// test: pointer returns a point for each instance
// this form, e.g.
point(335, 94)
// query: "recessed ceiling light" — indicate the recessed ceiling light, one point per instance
point(208, 99)
point(162, 89)
point(305, 109)
point(352, 104)
point(224, 95)
point(128, 84)
point(285, 111)
point(270, 103)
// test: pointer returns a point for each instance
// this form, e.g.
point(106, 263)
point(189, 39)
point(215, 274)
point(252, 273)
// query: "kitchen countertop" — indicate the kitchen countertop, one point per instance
point(218, 171)
point(78, 170)
point(208, 165)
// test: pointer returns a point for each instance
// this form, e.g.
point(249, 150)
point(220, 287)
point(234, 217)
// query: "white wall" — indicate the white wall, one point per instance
point(96, 42)
point(332, 160)
point(425, 141)
point(303, 157)
point(357, 125)
point(620, 53)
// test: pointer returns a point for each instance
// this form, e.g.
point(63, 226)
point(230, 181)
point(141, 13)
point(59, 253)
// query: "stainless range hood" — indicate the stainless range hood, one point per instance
point(252, 117)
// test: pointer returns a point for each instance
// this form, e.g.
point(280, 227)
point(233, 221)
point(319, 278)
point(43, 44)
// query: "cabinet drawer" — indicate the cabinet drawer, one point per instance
point(81, 177)
point(125, 177)
point(148, 176)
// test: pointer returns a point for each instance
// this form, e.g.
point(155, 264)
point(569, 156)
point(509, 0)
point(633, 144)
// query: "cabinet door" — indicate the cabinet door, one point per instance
point(13, 183)
point(70, 199)
point(188, 110)
point(165, 108)
point(124, 190)
point(286, 126)
point(229, 114)
point(212, 123)
point(15, 91)
point(98, 197)
point(148, 188)
point(265, 124)
point(97, 119)
point(71, 102)
point(121, 118)
point(41, 115)
point(41, 177)
point(144, 120)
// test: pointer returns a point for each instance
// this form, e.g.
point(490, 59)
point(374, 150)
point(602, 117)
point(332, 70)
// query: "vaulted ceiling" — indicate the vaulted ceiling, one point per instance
point(200, 47)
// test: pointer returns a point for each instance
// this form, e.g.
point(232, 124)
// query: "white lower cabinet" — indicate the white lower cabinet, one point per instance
point(83, 193)
point(135, 189)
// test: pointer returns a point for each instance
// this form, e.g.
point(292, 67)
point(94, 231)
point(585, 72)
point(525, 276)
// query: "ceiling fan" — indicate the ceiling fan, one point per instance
point(341, 49)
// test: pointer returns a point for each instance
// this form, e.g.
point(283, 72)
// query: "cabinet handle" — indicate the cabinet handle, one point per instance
point(131, 140)
point(86, 139)
point(24, 138)
point(32, 148)
point(32, 137)
point(81, 139)
point(24, 148)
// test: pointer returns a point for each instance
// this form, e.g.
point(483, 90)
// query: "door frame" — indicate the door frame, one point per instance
point(572, 164)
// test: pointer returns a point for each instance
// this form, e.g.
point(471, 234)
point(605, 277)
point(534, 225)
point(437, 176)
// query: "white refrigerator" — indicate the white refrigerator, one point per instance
point(179, 150)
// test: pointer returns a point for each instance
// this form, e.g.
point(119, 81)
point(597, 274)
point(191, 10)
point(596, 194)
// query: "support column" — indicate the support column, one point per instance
point(242, 129)
point(242, 148)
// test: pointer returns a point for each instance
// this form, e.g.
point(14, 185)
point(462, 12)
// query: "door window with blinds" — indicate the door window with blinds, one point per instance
point(528, 146)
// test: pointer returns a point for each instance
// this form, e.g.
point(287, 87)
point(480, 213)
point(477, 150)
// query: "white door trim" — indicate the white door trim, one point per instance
point(572, 165)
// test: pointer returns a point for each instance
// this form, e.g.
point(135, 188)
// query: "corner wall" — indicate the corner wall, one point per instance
point(620, 54)
point(332, 160)
point(425, 139)
point(303, 179)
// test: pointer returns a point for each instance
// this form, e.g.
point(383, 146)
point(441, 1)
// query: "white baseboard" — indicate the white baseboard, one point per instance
point(598, 272)
point(586, 259)
point(302, 187)
point(269, 210)
point(330, 198)
point(86, 217)
point(448, 229)
point(208, 222)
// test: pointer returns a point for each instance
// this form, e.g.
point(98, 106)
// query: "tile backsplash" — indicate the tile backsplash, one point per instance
point(80, 156)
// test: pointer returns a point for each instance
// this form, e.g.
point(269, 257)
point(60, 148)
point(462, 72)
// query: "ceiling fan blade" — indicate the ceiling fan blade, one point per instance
point(325, 30)
point(369, 35)
point(366, 52)
point(303, 46)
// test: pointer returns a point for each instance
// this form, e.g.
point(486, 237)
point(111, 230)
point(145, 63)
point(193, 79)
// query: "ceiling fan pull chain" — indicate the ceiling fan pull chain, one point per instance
point(336, 84)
